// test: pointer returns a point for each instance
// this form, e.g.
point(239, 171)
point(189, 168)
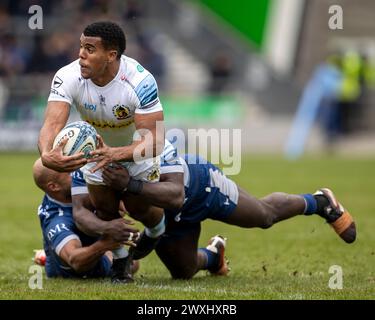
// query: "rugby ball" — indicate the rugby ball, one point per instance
point(81, 138)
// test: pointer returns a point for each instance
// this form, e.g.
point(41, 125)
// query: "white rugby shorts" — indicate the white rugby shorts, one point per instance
point(147, 171)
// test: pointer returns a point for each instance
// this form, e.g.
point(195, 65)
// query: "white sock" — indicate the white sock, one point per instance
point(120, 253)
point(156, 231)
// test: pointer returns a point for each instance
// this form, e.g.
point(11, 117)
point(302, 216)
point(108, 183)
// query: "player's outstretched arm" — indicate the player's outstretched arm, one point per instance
point(118, 229)
point(82, 259)
point(56, 116)
point(151, 143)
point(168, 193)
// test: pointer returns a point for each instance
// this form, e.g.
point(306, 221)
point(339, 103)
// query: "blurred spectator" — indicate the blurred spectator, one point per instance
point(220, 72)
point(4, 94)
point(133, 10)
point(5, 23)
point(13, 59)
point(350, 102)
point(51, 53)
point(21, 7)
point(369, 70)
point(341, 114)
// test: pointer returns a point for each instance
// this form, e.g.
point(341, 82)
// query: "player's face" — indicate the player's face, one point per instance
point(93, 57)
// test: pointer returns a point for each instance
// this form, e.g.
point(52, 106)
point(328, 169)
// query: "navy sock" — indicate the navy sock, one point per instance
point(212, 258)
point(311, 204)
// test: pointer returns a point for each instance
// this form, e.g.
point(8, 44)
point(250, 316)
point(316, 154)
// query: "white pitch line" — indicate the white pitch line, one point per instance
point(193, 289)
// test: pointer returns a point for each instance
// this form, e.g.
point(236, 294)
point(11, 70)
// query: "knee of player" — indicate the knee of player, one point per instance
point(183, 273)
point(278, 201)
point(268, 218)
point(266, 223)
point(182, 276)
point(76, 265)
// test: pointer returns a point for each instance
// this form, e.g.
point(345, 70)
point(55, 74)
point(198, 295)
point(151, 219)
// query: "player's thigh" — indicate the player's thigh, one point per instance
point(178, 251)
point(250, 212)
point(142, 210)
point(105, 200)
point(135, 203)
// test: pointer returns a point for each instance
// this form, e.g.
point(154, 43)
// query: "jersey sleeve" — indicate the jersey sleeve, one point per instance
point(63, 85)
point(59, 231)
point(78, 183)
point(146, 96)
point(170, 162)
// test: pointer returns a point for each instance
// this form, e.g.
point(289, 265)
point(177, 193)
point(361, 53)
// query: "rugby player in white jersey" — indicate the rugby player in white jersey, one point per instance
point(118, 97)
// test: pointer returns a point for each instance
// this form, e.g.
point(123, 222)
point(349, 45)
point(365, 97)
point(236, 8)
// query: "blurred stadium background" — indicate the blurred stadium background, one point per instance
point(219, 64)
point(241, 64)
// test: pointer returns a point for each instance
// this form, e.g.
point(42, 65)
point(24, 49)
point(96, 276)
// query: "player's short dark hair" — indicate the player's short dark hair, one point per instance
point(111, 34)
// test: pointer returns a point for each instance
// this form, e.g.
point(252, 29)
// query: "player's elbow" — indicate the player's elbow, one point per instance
point(76, 215)
point(177, 199)
point(79, 212)
point(78, 219)
point(76, 264)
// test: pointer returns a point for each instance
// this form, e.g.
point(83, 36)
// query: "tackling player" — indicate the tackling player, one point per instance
point(119, 98)
point(202, 192)
point(67, 251)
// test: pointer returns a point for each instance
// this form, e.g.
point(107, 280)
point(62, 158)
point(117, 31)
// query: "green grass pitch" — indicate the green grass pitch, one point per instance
point(291, 260)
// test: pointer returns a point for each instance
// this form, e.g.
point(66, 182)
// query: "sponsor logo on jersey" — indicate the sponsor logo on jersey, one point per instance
point(121, 112)
point(102, 100)
point(89, 106)
point(154, 175)
point(140, 68)
point(77, 175)
point(43, 211)
point(177, 218)
point(57, 229)
point(111, 125)
point(57, 82)
point(54, 91)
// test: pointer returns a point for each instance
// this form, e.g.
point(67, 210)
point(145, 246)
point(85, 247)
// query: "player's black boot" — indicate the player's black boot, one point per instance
point(122, 270)
point(335, 214)
point(145, 245)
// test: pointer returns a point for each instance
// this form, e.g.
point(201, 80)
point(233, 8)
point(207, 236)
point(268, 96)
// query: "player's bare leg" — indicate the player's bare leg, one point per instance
point(263, 213)
point(141, 210)
point(152, 218)
point(106, 201)
point(180, 254)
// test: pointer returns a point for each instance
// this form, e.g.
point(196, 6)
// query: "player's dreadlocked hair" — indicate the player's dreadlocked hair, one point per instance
point(112, 35)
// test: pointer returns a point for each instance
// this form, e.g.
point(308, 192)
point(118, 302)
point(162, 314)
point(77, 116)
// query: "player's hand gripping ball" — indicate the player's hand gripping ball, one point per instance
point(81, 138)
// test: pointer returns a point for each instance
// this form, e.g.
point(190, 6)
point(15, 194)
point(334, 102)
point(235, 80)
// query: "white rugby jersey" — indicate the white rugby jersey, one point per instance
point(110, 109)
